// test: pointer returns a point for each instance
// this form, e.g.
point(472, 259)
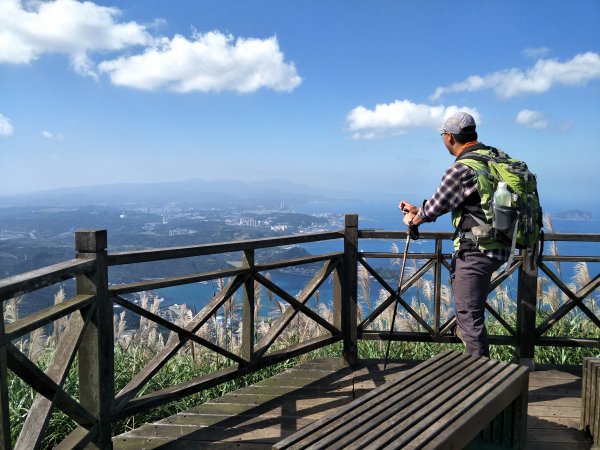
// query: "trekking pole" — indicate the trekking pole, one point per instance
point(387, 352)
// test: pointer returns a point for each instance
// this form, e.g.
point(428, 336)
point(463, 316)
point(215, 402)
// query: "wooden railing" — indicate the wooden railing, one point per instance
point(525, 335)
point(89, 336)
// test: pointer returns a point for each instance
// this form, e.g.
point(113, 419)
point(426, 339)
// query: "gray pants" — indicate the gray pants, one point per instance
point(471, 275)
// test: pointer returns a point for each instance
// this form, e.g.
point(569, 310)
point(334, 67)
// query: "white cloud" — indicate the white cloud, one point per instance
point(397, 118)
point(51, 135)
point(532, 119)
point(545, 74)
point(6, 128)
point(537, 52)
point(209, 62)
point(64, 26)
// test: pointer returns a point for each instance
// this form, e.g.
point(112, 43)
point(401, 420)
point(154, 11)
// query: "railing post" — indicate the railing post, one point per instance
point(248, 307)
point(437, 289)
point(526, 309)
point(5, 441)
point(96, 352)
point(350, 290)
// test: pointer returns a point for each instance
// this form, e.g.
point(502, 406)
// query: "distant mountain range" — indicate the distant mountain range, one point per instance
point(574, 214)
point(196, 192)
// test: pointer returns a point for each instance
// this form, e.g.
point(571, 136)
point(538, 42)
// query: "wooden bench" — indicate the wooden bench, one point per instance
point(590, 398)
point(451, 401)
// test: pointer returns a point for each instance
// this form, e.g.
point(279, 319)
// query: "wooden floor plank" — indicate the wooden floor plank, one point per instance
point(194, 420)
point(556, 392)
point(265, 430)
point(569, 402)
point(557, 423)
point(558, 446)
point(544, 411)
point(566, 436)
point(256, 416)
point(307, 391)
point(136, 443)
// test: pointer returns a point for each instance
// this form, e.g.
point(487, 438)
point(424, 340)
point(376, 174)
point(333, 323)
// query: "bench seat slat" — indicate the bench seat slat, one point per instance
point(337, 431)
point(474, 413)
point(444, 402)
point(355, 408)
point(408, 406)
point(429, 413)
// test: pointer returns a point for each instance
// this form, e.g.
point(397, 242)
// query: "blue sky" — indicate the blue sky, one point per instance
point(338, 94)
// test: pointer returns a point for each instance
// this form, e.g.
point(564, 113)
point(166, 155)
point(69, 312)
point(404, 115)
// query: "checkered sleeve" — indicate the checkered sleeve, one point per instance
point(458, 182)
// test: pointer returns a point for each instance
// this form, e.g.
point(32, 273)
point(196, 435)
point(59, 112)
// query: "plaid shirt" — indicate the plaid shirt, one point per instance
point(458, 183)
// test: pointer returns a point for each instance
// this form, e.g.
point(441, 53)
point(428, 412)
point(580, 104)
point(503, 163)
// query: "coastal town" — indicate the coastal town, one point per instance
point(32, 237)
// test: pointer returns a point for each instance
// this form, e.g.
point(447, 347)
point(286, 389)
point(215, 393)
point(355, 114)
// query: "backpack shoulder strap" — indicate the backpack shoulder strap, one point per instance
point(474, 156)
point(478, 156)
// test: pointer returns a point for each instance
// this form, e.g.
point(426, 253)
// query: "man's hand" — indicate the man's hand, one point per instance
point(413, 228)
point(406, 207)
point(410, 218)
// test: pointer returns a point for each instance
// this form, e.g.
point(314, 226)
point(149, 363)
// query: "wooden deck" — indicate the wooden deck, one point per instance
point(259, 415)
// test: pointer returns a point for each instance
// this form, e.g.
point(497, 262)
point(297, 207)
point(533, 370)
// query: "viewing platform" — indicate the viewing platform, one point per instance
point(258, 416)
point(101, 373)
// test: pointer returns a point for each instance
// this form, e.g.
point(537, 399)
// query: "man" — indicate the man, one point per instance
point(473, 263)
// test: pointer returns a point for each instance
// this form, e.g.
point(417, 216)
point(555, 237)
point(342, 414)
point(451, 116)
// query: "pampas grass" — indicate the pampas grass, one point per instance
point(553, 246)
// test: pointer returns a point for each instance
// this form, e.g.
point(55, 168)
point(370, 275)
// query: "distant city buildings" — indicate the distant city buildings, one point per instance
point(181, 232)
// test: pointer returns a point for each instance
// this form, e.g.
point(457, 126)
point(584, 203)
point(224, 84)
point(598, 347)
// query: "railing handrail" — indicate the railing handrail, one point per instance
point(446, 235)
point(40, 278)
point(158, 254)
point(26, 282)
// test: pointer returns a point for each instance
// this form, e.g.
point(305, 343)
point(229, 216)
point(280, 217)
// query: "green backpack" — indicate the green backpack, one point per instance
point(520, 224)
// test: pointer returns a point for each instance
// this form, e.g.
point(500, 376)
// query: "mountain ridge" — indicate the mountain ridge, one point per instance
point(215, 193)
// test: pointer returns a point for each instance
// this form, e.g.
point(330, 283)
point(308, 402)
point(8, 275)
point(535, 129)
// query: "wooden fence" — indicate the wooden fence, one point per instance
point(89, 336)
